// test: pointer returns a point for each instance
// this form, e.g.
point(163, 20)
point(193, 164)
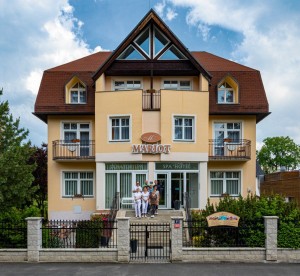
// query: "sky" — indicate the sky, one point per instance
point(40, 34)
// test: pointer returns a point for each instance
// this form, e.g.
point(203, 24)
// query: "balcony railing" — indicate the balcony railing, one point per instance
point(73, 150)
point(229, 149)
point(151, 100)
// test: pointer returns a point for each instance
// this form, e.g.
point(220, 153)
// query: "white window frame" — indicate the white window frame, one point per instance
point(62, 131)
point(179, 87)
point(226, 129)
point(63, 186)
point(119, 116)
point(125, 81)
point(149, 44)
point(225, 90)
point(184, 116)
point(153, 39)
point(78, 90)
point(224, 171)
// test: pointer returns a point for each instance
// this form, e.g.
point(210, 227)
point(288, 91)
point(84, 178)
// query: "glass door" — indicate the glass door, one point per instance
point(192, 189)
point(162, 179)
point(177, 180)
point(84, 143)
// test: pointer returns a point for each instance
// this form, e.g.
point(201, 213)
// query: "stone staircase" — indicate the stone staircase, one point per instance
point(164, 216)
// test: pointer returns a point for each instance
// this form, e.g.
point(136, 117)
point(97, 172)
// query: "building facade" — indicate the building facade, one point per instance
point(149, 110)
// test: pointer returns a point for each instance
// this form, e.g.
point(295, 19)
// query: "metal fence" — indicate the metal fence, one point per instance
point(13, 235)
point(79, 234)
point(198, 234)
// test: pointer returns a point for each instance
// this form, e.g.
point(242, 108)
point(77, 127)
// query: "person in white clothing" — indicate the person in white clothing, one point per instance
point(145, 200)
point(137, 187)
point(137, 203)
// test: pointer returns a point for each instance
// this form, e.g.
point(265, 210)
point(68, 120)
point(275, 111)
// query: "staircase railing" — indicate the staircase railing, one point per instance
point(115, 206)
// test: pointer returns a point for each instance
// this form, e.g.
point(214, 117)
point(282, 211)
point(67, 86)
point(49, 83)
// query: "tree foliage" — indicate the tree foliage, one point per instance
point(39, 157)
point(279, 152)
point(15, 172)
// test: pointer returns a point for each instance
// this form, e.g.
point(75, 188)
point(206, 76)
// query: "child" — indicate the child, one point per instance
point(153, 202)
point(137, 203)
point(145, 199)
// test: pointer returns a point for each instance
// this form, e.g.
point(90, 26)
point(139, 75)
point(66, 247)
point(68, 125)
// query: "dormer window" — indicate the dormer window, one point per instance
point(76, 92)
point(228, 91)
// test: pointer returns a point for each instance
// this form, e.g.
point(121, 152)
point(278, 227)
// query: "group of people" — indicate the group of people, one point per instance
point(146, 199)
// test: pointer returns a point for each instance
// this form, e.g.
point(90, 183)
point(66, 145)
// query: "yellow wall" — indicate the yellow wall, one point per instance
point(55, 200)
point(247, 168)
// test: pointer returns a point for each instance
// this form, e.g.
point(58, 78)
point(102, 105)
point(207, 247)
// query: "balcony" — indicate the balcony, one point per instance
point(228, 149)
point(151, 100)
point(83, 150)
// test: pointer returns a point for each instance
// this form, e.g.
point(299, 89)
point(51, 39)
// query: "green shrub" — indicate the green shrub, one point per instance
point(88, 234)
point(251, 211)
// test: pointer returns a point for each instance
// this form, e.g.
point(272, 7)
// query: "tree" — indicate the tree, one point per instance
point(279, 152)
point(40, 182)
point(15, 172)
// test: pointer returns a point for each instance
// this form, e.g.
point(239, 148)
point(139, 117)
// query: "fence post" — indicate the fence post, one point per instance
point(34, 238)
point(123, 239)
point(271, 223)
point(176, 239)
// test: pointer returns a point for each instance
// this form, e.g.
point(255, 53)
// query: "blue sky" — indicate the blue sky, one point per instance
point(265, 35)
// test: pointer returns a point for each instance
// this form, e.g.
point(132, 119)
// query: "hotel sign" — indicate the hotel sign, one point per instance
point(150, 147)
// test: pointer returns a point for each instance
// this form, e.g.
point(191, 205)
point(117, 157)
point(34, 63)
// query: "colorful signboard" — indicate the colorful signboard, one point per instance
point(223, 219)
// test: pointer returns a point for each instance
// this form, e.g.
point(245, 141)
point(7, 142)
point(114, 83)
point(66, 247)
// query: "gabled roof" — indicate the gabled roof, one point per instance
point(151, 16)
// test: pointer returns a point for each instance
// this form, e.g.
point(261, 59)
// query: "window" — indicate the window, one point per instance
point(183, 128)
point(76, 131)
point(75, 183)
point(78, 94)
point(162, 47)
point(119, 129)
point(177, 84)
point(222, 182)
point(228, 91)
point(127, 85)
point(231, 131)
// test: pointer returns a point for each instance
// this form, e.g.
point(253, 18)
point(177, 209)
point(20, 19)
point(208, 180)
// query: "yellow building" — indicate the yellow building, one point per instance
point(150, 110)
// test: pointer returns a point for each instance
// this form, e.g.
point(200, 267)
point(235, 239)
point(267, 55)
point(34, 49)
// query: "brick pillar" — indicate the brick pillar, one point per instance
point(271, 223)
point(176, 239)
point(123, 239)
point(34, 238)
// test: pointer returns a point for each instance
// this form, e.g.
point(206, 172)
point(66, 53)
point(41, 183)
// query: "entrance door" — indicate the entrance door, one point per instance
point(162, 179)
point(177, 180)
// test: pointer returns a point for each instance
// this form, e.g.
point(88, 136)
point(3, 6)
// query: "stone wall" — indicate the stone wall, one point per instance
point(13, 255)
point(79, 255)
point(223, 254)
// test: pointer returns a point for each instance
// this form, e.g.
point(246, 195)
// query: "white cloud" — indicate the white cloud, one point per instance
point(168, 15)
point(271, 44)
point(35, 36)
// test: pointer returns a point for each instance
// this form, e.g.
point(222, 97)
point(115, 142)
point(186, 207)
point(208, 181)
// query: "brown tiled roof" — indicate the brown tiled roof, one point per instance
point(51, 95)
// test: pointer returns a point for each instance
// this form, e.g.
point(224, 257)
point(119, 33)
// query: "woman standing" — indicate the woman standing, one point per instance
point(145, 200)
point(153, 202)
point(137, 203)
point(157, 201)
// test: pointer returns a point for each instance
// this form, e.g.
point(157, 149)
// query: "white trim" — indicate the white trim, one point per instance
point(149, 45)
point(225, 170)
point(62, 186)
point(130, 45)
point(172, 45)
point(109, 125)
point(185, 157)
point(118, 157)
point(193, 116)
point(62, 130)
point(153, 39)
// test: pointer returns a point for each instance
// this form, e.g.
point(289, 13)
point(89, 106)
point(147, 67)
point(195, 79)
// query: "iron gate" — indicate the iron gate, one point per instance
point(150, 242)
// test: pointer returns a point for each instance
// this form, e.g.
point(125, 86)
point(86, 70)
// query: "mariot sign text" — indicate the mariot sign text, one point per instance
point(151, 145)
